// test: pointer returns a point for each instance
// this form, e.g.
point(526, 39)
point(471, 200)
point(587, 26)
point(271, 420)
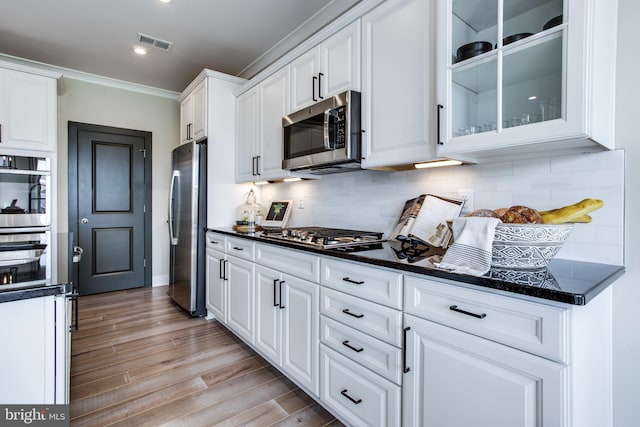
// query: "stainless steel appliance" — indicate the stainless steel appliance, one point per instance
point(187, 222)
point(327, 238)
point(25, 221)
point(325, 137)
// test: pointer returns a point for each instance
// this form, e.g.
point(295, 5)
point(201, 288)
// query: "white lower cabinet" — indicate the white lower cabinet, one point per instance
point(287, 324)
point(455, 379)
point(358, 396)
point(33, 364)
point(240, 275)
point(216, 284)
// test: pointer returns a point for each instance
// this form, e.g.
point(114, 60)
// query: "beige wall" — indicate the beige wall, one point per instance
point(108, 106)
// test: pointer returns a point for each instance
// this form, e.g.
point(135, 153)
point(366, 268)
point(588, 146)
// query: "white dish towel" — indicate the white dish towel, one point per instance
point(470, 252)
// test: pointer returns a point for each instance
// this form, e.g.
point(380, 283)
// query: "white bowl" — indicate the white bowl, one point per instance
point(527, 245)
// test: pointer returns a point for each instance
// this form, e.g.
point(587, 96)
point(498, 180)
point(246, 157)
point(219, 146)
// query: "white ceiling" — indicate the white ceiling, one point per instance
point(237, 37)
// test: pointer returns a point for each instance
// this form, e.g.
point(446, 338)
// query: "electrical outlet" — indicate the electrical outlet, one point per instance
point(467, 196)
point(300, 202)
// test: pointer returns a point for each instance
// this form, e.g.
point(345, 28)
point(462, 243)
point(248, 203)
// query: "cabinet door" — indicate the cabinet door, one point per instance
point(186, 120)
point(340, 59)
point(268, 313)
point(399, 108)
point(304, 80)
point(199, 120)
point(240, 301)
point(246, 135)
point(27, 364)
point(536, 83)
point(215, 284)
point(458, 380)
point(274, 104)
point(300, 331)
point(28, 111)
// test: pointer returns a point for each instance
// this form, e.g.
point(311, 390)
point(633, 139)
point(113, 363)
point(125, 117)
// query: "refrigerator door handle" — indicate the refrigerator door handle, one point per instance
point(172, 235)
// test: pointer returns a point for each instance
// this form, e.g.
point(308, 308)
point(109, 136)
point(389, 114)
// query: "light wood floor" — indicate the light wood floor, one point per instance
point(138, 361)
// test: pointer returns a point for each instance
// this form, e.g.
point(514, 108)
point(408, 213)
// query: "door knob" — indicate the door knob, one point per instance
point(84, 220)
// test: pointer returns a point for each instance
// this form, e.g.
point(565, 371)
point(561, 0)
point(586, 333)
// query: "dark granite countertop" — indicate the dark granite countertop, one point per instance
point(11, 293)
point(564, 281)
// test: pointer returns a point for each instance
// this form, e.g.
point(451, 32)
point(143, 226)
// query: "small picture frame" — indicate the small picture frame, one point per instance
point(278, 214)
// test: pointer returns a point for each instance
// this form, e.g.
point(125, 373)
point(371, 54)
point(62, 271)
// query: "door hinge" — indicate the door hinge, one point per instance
point(144, 152)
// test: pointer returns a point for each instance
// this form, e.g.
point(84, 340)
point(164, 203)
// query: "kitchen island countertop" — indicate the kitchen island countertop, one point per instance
point(9, 293)
point(564, 281)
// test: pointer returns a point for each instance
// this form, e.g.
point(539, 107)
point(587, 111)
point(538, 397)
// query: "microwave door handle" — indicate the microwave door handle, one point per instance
point(328, 115)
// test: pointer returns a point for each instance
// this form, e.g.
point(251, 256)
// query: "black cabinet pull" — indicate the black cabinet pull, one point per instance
point(440, 107)
point(355, 282)
point(257, 165)
point(405, 368)
point(344, 393)
point(238, 248)
point(468, 313)
point(358, 316)
point(275, 283)
point(346, 344)
point(320, 85)
point(222, 269)
point(313, 88)
point(224, 263)
point(280, 303)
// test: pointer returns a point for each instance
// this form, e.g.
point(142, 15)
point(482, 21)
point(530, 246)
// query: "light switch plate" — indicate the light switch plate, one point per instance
point(467, 196)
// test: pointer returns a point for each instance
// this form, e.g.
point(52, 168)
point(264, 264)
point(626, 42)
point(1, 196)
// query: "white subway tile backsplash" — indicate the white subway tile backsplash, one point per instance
point(373, 200)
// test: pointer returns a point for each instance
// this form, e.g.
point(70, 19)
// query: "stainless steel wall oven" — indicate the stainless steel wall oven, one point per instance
point(25, 220)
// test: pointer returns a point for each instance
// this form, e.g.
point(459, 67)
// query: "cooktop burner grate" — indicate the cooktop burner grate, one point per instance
point(323, 237)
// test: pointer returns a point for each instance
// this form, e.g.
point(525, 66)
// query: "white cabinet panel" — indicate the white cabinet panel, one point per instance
point(268, 299)
point(297, 263)
point(300, 331)
point(28, 111)
point(240, 314)
point(357, 395)
point(216, 284)
point(456, 379)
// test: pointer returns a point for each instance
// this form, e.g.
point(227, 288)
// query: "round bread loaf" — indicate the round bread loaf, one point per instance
point(483, 212)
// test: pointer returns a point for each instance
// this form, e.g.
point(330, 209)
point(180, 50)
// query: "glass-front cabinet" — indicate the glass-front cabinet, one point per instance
point(523, 76)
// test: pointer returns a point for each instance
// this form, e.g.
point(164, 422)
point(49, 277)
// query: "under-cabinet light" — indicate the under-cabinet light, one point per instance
point(531, 98)
point(292, 179)
point(261, 182)
point(437, 164)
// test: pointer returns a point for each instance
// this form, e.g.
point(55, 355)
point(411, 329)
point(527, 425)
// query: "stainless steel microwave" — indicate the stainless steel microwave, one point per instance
point(325, 137)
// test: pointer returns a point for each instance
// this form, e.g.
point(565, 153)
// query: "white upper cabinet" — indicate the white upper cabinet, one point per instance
point(328, 69)
point(259, 129)
point(518, 77)
point(28, 111)
point(398, 84)
point(193, 114)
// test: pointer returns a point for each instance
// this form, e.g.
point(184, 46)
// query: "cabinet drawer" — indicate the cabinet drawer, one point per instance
point(533, 327)
point(358, 395)
point(216, 241)
point(242, 248)
point(374, 319)
point(296, 263)
point(380, 357)
point(374, 284)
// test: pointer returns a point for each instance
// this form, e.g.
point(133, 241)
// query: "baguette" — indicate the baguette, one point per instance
point(572, 213)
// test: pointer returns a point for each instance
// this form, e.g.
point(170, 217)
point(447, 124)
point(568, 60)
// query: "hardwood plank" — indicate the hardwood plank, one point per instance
point(140, 361)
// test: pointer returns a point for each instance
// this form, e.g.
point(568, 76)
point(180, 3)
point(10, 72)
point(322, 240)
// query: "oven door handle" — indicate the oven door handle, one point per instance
point(73, 296)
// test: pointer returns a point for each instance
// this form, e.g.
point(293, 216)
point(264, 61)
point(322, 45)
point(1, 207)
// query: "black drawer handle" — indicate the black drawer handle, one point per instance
point(355, 282)
point(405, 368)
point(344, 393)
point(468, 313)
point(238, 249)
point(346, 344)
point(214, 242)
point(358, 316)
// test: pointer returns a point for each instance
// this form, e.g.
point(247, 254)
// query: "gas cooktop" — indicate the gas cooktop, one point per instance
point(327, 238)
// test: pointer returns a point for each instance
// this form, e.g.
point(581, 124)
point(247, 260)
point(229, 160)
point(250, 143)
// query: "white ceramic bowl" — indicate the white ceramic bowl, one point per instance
point(527, 245)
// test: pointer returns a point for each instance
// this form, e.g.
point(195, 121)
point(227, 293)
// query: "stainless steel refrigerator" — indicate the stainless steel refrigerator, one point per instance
point(187, 223)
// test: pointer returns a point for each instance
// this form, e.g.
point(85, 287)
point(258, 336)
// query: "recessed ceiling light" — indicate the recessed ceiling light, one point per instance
point(140, 50)
point(531, 98)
